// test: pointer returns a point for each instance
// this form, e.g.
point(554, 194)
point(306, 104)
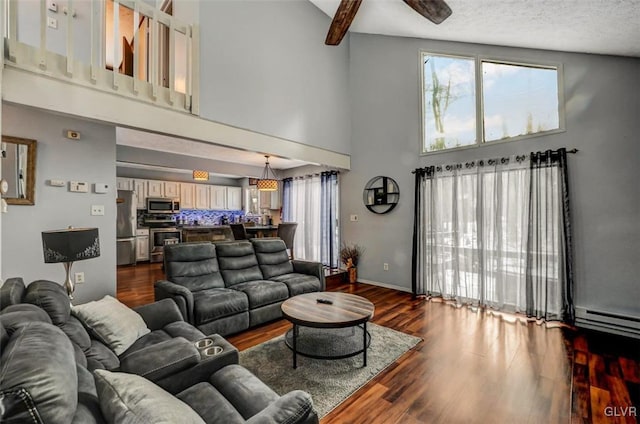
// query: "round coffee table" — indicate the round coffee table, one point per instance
point(332, 330)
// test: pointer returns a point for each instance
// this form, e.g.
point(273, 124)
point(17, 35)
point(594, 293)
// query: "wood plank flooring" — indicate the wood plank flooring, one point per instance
point(471, 367)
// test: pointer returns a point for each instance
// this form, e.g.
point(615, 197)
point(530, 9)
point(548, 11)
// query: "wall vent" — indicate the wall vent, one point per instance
point(609, 322)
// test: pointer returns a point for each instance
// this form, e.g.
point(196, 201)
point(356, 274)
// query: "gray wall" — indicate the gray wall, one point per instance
point(264, 67)
point(28, 26)
point(92, 159)
point(602, 110)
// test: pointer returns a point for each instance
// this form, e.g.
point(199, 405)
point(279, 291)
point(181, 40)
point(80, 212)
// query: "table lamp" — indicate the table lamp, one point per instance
point(70, 245)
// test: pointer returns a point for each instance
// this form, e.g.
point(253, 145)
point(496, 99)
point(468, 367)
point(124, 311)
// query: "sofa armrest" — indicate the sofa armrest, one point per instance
point(310, 268)
point(158, 314)
point(181, 296)
point(294, 407)
point(203, 370)
point(161, 359)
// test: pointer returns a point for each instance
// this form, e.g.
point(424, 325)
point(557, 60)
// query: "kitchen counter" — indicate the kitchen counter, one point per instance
point(198, 227)
point(211, 233)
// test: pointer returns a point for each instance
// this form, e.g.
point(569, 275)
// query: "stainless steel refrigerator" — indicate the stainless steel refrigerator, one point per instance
point(126, 227)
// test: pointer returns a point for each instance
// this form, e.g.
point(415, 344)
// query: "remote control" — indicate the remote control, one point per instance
point(325, 301)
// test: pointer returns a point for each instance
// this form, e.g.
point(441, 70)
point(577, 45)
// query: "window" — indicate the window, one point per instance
point(503, 101)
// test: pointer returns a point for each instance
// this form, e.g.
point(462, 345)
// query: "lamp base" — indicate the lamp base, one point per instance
point(68, 283)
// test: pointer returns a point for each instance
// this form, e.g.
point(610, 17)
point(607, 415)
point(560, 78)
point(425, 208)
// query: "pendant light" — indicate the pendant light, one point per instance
point(268, 181)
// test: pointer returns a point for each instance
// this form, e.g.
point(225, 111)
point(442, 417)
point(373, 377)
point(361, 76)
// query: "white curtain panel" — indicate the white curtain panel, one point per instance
point(305, 210)
point(478, 244)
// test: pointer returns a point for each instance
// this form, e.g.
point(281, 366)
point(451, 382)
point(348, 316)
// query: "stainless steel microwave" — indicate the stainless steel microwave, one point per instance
point(162, 205)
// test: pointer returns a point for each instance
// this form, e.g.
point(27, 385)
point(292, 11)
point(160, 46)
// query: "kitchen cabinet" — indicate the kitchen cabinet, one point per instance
point(142, 245)
point(234, 198)
point(124, 183)
point(202, 196)
point(187, 196)
point(171, 189)
point(217, 197)
point(155, 188)
point(140, 187)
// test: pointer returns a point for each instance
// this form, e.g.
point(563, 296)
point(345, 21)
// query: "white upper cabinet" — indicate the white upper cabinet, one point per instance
point(124, 183)
point(202, 196)
point(187, 196)
point(140, 187)
point(155, 188)
point(218, 197)
point(171, 189)
point(191, 195)
point(234, 198)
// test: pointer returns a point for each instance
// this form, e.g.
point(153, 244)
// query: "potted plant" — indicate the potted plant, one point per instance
point(350, 255)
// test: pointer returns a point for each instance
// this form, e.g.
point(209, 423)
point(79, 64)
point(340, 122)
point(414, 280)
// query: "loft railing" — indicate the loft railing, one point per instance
point(126, 47)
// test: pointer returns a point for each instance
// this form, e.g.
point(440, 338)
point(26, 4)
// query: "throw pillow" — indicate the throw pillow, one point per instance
point(129, 398)
point(112, 322)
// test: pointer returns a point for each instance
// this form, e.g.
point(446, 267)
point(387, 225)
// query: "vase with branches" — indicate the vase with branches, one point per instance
point(350, 256)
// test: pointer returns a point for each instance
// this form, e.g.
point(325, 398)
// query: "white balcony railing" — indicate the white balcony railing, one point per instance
point(125, 47)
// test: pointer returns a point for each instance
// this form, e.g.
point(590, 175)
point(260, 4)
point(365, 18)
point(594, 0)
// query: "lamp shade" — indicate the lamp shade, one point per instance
point(71, 244)
point(269, 180)
point(200, 175)
point(267, 185)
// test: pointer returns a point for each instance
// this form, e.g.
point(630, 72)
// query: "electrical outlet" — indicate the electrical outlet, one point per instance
point(354, 217)
point(97, 210)
point(52, 23)
point(385, 266)
point(79, 277)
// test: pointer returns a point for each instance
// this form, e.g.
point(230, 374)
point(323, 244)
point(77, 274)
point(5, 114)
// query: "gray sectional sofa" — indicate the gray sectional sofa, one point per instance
point(228, 287)
point(56, 369)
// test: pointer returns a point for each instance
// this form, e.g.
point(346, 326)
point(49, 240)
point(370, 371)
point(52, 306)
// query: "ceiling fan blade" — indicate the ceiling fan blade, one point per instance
point(434, 10)
point(341, 21)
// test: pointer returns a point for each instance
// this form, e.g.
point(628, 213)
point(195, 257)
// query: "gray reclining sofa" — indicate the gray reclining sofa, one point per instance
point(53, 370)
point(228, 287)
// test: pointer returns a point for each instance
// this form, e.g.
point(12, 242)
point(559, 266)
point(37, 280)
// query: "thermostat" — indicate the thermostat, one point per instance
point(100, 188)
point(78, 186)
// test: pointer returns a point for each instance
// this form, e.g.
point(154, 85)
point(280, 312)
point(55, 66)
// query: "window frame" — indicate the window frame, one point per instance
point(479, 97)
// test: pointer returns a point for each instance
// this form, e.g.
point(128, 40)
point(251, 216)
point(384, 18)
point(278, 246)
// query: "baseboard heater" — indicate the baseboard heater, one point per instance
point(609, 322)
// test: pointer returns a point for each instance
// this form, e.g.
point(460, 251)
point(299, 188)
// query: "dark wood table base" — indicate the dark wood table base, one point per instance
point(328, 343)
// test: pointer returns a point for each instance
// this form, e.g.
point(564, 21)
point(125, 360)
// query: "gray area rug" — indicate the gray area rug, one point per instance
point(329, 382)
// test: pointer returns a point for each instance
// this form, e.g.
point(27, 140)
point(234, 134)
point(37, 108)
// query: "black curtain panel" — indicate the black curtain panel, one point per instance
point(496, 233)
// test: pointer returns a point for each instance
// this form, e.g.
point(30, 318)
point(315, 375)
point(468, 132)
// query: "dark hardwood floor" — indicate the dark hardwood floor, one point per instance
point(470, 367)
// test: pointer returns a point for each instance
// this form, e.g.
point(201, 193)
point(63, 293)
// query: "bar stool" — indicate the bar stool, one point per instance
point(239, 233)
point(287, 231)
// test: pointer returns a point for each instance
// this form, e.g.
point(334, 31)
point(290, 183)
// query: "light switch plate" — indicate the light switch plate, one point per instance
point(354, 217)
point(56, 183)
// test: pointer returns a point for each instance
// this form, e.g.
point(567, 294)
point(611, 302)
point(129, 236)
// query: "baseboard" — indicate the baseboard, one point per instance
point(385, 285)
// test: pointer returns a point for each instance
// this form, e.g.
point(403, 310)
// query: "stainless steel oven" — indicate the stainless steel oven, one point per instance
point(159, 238)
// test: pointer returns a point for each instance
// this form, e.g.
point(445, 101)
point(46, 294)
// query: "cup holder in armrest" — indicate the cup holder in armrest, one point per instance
point(203, 343)
point(213, 350)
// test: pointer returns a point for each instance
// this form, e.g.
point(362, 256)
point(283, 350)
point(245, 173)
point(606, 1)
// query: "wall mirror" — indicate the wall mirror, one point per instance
point(19, 170)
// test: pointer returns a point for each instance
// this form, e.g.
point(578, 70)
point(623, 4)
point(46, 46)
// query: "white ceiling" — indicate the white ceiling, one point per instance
point(586, 26)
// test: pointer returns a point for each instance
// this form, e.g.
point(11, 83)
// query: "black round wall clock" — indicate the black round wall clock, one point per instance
point(381, 194)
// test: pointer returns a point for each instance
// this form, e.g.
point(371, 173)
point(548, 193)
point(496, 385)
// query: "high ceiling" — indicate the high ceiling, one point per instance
point(587, 26)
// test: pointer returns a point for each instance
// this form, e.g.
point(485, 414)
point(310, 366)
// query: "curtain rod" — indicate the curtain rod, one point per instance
point(572, 151)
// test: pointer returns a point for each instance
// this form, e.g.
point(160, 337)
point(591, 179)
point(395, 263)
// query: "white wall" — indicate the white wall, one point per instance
point(264, 67)
point(602, 110)
point(92, 159)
